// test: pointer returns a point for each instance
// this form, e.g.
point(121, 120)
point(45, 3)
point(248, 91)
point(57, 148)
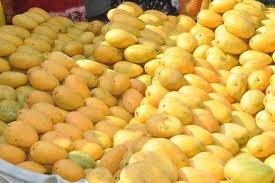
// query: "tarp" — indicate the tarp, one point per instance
point(12, 174)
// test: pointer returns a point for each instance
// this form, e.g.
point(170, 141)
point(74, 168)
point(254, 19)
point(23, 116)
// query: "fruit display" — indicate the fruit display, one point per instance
point(144, 98)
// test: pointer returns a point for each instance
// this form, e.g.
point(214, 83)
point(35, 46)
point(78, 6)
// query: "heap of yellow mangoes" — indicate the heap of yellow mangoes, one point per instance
point(144, 98)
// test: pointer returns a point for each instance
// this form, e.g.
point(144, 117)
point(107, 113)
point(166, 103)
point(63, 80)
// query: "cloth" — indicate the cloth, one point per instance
point(12, 174)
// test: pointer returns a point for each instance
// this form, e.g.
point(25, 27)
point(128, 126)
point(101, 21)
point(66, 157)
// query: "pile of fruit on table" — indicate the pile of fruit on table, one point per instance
point(144, 98)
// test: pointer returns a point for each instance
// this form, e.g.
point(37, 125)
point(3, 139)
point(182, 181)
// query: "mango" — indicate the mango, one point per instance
point(61, 94)
point(82, 159)
point(12, 154)
point(8, 110)
point(40, 79)
point(20, 134)
point(246, 168)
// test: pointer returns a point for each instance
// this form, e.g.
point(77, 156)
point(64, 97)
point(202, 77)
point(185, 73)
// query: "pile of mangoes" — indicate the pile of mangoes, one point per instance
point(144, 98)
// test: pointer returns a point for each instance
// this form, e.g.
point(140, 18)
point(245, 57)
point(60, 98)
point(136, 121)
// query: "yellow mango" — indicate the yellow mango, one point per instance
point(235, 131)
point(61, 94)
point(58, 70)
point(187, 41)
point(166, 149)
point(261, 146)
point(13, 79)
point(40, 79)
point(203, 135)
point(128, 20)
point(209, 18)
point(198, 81)
point(62, 59)
point(246, 120)
point(207, 161)
point(252, 101)
point(228, 42)
point(188, 144)
point(205, 119)
point(6, 48)
point(131, 8)
point(36, 119)
point(262, 42)
point(196, 175)
point(163, 126)
point(130, 69)
point(226, 142)
point(107, 54)
point(164, 164)
point(264, 121)
point(24, 21)
point(139, 53)
point(236, 85)
point(12, 154)
point(219, 59)
point(120, 38)
point(220, 152)
point(238, 25)
point(222, 6)
point(77, 84)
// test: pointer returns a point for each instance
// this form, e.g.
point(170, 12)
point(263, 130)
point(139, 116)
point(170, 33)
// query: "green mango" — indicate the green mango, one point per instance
point(82, 159)
point(7, 92)
point(247, 169)
point(22, 92)
point(2, 140)
point(2, 127)
point(8, 110)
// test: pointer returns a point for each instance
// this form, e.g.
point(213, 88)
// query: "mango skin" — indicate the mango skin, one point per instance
point(247, 169)
point(82, 159)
